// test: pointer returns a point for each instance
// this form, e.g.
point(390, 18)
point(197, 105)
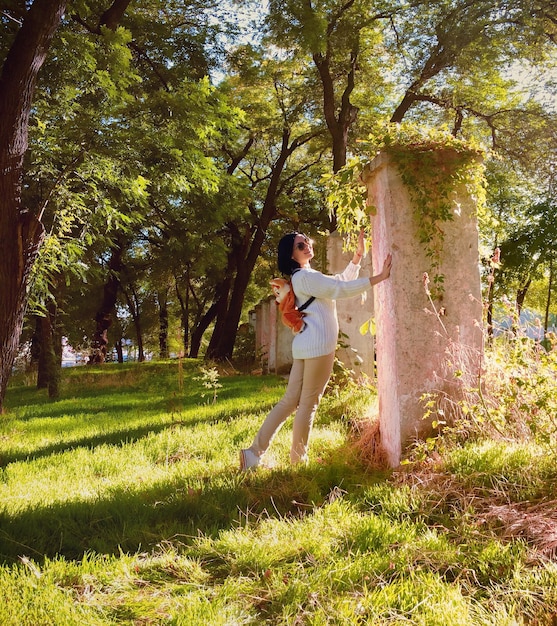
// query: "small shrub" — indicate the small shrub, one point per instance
point(210, 379)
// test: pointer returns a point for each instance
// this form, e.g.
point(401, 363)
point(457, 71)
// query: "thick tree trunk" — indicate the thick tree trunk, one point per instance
point(245, 249)
point(242, 260)
point(49, 362)
point(112, 17)
point(21, 232)
point(404, 106)
point(19, 243)
point(219, 306)
point(338, 116)
point(103, 318)
point(199, 330)
point(217, 311)
point(231, 321)
point(229, 312)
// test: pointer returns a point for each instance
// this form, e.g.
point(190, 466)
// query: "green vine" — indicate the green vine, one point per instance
point(432, 165)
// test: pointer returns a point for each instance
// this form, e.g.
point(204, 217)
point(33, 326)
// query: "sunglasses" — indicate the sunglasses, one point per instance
point(301, 245)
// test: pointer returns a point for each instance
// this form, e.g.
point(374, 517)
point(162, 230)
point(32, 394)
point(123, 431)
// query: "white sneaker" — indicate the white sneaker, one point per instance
point(248, 459)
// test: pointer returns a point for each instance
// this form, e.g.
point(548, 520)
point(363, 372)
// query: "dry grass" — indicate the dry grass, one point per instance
point(535, 523)
point(365, 436)
point(488, 510)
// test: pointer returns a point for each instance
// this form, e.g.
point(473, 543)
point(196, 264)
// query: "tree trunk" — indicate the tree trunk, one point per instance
point(135, 311)
point(521, 296)
point(218, 311)
point(103, 318)
point(50, 348)
point(184, 301)
point(21, 233)
point(35, 346)
point(199, 330)
point(119, 351)
point(223, 338)
point(38, 352)
point(162, 299)
point(243, 258)
point(338, 116)
point(490, 298)
point(139, 337)
point(53, 352)
point(245, 249)
point(112, 17)
point(404, 106)
point(215, 348)
point(548, 301)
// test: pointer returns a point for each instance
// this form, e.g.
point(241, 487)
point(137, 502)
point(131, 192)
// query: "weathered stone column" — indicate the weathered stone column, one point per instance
point(414, 345)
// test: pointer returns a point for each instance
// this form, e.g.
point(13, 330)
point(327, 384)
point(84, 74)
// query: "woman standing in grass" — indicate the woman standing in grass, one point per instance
point(313, 349)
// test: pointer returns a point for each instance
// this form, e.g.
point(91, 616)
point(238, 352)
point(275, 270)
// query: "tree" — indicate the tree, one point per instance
point(445, 57)
point(71, 178)
point(21, 232)
point(274, 153)
point(134, 148)
point(127, 122)
point(530, 248)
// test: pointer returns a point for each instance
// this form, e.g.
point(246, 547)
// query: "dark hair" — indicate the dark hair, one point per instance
point(286, 263)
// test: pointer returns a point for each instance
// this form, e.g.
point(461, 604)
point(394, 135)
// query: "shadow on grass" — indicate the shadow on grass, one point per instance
point(120, 436)
point(38, 406)
point(108, 397)
point(116, 438)
point(130, 521)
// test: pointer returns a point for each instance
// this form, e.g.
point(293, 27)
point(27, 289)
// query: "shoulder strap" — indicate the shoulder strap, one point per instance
point(306, 304)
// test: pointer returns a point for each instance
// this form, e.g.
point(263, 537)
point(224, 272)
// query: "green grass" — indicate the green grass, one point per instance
point(121, 503)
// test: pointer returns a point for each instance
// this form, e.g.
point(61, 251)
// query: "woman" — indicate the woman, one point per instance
point(313, 349)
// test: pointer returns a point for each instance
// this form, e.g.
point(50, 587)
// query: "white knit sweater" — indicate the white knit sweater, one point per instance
point(320, 334)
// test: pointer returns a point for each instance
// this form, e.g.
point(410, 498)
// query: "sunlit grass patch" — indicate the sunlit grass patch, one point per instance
point(521, 469)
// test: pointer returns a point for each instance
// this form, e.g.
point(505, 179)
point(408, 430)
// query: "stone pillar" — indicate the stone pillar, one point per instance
point(414, 345)
point(273, 340)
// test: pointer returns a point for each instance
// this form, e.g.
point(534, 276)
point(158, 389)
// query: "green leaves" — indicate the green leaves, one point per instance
point(432, 165)
point(346, 200)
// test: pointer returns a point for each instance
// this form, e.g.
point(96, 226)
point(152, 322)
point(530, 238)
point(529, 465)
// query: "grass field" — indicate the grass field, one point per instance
point(121, 503)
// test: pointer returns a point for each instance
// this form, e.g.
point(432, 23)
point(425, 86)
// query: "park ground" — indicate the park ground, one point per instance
point(122, 503)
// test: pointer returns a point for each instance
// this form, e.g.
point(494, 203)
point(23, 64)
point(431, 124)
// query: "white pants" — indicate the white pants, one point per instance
point(306, 384)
